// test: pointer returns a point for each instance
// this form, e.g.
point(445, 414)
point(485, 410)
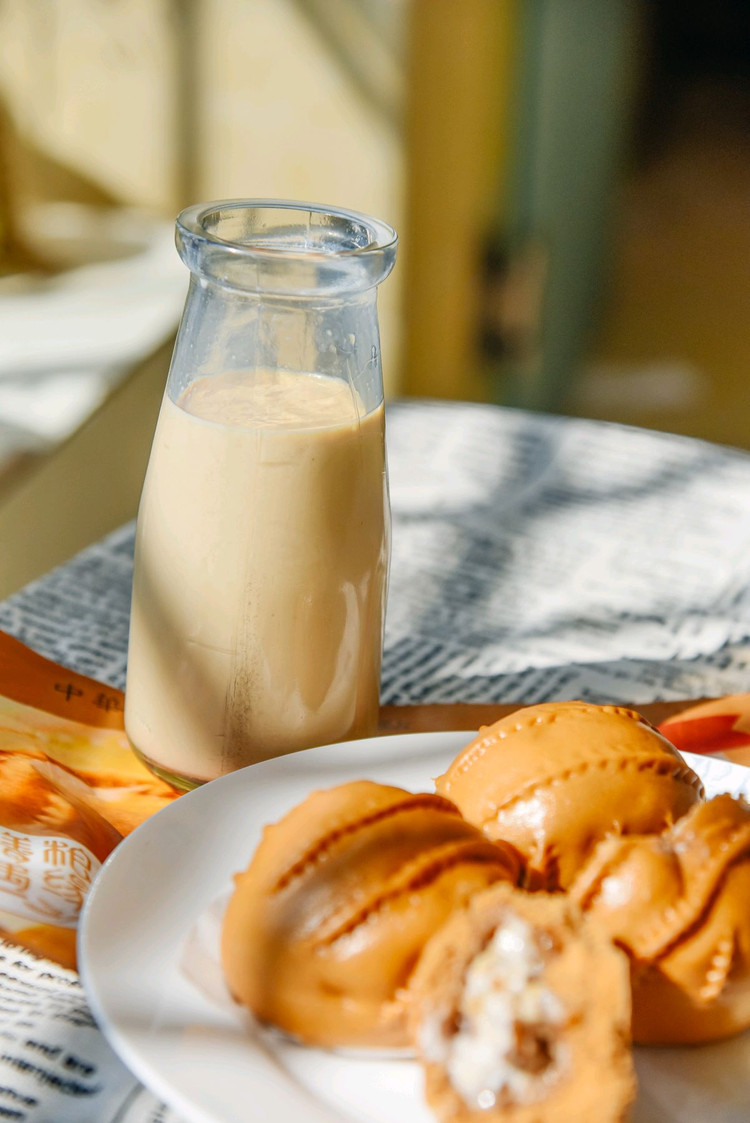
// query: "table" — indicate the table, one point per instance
point(534, 558)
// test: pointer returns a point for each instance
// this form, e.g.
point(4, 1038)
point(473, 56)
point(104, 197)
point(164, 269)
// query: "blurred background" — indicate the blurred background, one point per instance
point(570, 180)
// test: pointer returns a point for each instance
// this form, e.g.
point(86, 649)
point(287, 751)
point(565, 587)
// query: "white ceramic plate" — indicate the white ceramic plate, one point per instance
point(198, 1058)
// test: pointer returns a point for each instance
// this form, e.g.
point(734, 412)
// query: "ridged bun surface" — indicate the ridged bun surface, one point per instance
point(679, 904)
point(555, 778)
point(325, 926)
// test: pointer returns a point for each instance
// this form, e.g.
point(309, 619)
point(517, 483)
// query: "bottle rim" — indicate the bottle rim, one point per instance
point(285, 246)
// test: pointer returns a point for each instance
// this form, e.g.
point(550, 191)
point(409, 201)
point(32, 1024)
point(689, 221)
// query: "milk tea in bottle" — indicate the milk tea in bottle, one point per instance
point(262, 540)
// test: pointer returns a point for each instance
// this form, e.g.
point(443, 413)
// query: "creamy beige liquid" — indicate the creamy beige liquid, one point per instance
point(260, 574)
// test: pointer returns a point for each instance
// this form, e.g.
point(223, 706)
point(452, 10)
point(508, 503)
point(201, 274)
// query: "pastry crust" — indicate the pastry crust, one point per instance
point(679, 904)
point(325, 926)
point(573, 1063)
point(556, 778)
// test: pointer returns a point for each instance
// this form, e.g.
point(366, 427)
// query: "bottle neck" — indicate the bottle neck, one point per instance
point(223, 330)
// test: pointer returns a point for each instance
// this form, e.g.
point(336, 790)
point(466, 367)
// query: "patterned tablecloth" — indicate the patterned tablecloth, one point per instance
point(534, 558)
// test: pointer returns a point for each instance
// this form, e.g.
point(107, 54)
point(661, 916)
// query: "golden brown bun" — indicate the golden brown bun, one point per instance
point(325, 926)
point(579, 1065)
point(680, 906)
point(555, 778)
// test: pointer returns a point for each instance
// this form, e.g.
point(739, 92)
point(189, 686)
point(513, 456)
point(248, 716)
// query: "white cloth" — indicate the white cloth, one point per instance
point(67, 340)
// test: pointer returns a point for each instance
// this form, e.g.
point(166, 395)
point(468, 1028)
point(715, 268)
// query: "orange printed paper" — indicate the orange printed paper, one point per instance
point(70, 789)
point(721, 727)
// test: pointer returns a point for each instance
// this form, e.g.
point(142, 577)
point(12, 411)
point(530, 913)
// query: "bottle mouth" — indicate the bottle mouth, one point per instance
point(278, 246)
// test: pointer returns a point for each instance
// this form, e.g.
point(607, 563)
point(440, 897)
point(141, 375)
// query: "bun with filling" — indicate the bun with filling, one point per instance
point(521, 1013)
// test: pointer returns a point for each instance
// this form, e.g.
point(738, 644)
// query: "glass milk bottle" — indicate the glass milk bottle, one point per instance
point(262, 541)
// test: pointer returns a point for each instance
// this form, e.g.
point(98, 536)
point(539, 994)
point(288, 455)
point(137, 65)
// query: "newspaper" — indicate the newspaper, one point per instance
point(534, 558)
point(56, 1067)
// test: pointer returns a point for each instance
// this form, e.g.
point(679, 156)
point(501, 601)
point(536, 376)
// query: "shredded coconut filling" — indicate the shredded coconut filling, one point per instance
point(502, 1047)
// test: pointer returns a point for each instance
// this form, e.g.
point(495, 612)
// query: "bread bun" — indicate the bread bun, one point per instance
point(679, 904)
point(521, 1013)
point(555, 778)
point(325, 926)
